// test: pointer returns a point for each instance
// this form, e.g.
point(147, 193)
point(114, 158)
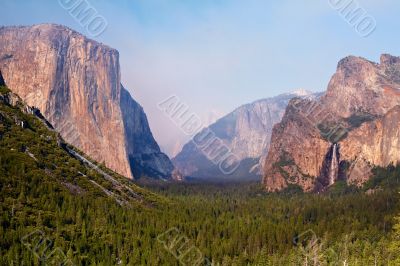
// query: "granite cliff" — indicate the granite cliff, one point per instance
point(344, 134)
point(246, 132)
point(76, 84)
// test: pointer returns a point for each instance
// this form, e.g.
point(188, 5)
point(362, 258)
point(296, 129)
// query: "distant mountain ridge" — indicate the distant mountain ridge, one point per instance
point(246, 132)
point(76, 84)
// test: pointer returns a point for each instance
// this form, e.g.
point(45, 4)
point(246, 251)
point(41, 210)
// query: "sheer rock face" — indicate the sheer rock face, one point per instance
point(362, 100)
point(246, 132)
point(143, 151)
point(297, 150)
point(373, 143)
point(75, 82)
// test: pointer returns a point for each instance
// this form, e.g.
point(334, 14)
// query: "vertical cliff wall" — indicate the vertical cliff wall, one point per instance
point(76, 84)
point(362, 102)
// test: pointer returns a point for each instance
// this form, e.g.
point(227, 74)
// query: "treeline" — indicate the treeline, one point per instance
point(234, 225)
point(50, 211)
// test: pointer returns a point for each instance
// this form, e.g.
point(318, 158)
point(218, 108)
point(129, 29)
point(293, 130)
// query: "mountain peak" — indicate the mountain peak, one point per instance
point(360, 92)
point(54, 32)
point(246, 132)
point(353, 63)
point(301, 92)
point(387, 59)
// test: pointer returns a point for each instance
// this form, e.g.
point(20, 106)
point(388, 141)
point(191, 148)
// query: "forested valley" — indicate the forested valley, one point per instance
point(54, 208)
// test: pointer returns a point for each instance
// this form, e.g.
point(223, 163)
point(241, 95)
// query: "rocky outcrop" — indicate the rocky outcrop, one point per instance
point(143, 151)
point(356, 123)
point(361, 86)
point(297, 150)
point(246, 132)
point(75, 82)
point(375, 143)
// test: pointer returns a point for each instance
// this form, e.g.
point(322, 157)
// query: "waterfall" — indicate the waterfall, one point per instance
point(334, 166)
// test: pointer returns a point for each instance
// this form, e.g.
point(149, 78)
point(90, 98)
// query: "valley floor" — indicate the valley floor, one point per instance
point(200, 224)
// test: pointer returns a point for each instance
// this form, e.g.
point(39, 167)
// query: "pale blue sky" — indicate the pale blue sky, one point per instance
point(217, 55)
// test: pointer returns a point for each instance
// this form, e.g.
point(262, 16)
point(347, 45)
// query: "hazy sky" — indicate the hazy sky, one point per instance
point(217, 55)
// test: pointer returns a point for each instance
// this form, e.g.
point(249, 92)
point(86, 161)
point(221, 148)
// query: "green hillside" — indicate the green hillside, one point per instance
point(58, 208)
point(50, 186)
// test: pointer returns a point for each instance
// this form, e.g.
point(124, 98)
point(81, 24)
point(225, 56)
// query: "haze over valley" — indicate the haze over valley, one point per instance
point(199, 133)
